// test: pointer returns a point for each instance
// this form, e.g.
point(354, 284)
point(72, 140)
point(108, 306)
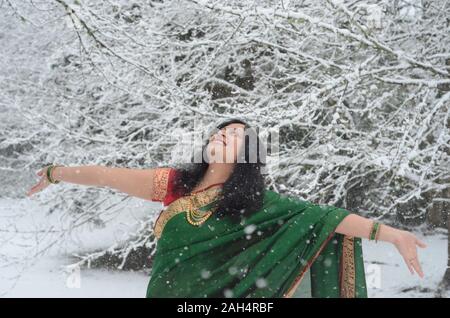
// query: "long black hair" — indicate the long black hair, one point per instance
point(243, 191)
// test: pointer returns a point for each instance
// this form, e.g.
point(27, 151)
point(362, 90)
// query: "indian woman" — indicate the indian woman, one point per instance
point(223, 233)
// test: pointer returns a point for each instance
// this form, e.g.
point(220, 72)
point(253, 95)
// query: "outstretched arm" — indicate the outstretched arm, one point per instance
point(404, 241)
point(135, 182)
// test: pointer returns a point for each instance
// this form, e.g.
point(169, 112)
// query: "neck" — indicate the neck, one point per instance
point(216, 173)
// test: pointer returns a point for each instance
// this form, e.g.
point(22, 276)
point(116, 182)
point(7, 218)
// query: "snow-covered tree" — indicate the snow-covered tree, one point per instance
point(359, 91)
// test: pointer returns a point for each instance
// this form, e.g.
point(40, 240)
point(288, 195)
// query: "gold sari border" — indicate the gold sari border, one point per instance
point(348, 268)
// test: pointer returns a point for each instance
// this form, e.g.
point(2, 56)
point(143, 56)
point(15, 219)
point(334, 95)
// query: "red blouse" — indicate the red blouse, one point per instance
point(170, 195)
point(163, 184)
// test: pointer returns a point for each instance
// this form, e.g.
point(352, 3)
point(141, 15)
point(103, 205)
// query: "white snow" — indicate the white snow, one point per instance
point(45, 279)
point(34, 256)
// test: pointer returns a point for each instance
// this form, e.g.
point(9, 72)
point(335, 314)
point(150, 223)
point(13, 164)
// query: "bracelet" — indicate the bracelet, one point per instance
point(378, 233)
point(374, 230)
point(49, 174)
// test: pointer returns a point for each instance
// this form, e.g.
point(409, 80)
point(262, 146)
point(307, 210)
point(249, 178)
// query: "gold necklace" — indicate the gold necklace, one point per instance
point(186, 204)
point(195, 216)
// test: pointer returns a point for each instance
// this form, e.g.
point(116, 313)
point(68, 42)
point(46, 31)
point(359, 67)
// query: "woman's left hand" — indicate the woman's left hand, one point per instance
point(406, 243)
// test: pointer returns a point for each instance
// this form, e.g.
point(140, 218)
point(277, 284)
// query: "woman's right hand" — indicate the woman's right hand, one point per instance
point(42, 184)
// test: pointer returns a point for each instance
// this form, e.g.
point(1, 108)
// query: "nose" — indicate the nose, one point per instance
point(220, 136)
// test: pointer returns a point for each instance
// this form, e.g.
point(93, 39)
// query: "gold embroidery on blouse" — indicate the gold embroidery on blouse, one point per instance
point(184, 204)
point(348, 268)
point(160, 183)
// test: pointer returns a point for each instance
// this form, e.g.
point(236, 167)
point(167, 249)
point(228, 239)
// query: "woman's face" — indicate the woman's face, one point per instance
point(224, 145)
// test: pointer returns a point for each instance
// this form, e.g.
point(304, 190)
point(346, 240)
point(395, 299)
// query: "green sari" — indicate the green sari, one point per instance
point(267, 255)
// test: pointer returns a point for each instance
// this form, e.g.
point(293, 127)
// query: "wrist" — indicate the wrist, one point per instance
point(389, 234)
point(55, 174)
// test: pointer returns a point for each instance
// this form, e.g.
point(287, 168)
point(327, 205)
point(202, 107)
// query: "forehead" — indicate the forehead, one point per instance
point(234, 126)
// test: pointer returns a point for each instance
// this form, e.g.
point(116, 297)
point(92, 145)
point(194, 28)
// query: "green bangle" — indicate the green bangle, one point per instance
point(49, 174)
point(377, 235)
point(374, 230)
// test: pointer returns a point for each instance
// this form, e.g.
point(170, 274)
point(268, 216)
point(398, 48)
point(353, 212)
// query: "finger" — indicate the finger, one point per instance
point(30, 192)
point(417, 267)
point(420, 243)
point(34, 188)
point(408, 264)
point(36, 185)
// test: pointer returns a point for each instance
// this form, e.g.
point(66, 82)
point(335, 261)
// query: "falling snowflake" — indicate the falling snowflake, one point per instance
point(249, 229)
point(327, 262)
point(261, 283)
point(205, 274)
point(233, 270)
point(228, 293)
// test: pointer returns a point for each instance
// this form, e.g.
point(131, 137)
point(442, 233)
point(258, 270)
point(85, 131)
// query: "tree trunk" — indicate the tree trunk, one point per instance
point(446, 279)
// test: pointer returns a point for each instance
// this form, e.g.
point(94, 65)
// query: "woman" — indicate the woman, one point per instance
point(223, 234)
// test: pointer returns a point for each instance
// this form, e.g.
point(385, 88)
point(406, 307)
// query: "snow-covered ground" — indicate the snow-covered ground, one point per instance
point(25, 222)
point(23, 275)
